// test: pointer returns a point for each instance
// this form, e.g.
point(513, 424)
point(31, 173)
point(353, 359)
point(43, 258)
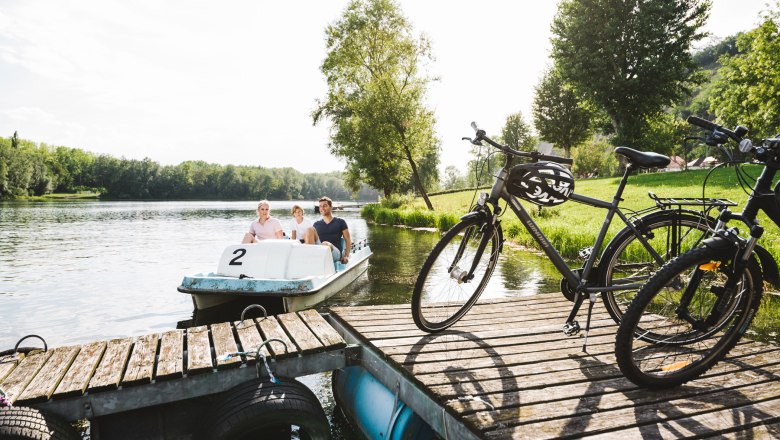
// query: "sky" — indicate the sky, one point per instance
point(235, 82)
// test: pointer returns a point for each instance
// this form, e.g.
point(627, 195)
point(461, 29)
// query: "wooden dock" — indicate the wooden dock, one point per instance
point(507, 371)
point(109, 377)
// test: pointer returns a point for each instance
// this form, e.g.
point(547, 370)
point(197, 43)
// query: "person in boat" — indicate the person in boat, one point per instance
point(302, 229)
point(264, 227)
point(331, 229)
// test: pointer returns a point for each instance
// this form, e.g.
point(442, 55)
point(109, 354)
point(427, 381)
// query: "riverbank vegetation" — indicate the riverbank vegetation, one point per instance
point(28, 169)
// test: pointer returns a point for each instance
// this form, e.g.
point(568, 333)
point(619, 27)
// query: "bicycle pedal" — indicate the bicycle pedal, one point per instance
point(585, 252)
point(571, 328)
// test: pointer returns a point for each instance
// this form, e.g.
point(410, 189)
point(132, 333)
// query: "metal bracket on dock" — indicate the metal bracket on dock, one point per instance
point(353, 354)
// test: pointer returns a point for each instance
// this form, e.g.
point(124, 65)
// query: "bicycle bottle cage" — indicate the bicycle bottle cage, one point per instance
point(541, 183)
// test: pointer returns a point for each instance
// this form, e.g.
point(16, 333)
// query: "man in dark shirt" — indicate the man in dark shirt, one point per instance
point(330, 229)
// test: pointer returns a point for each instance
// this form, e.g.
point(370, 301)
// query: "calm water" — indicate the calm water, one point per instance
point(79, 271)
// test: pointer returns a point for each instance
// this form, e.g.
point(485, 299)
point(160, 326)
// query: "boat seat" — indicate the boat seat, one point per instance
point(275, 259)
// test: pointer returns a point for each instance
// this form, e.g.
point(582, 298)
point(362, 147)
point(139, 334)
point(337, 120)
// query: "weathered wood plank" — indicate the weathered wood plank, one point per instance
point(109, 371)
point(198, 350)
point(224, 342)
point(250, 338)
point(271, 329)
point(170, 364)
point(50, 374)
point(140, 367)
point(80, 372)
point(324, 332)
point(301, 335)
point(15, 382)
point(8, 363)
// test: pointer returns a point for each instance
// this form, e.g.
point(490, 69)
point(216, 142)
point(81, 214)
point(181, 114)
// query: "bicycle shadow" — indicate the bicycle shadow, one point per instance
point(656, 413)
point(465, 391)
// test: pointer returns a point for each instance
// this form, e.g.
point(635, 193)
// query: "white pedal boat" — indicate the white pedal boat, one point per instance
point(280, 275)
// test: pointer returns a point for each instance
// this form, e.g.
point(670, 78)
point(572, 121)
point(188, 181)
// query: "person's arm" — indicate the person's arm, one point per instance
point(347, 245)
point(278, 233)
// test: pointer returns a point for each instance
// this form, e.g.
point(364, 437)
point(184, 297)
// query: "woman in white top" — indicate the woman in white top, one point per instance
point(302, 229)
point(264, 227)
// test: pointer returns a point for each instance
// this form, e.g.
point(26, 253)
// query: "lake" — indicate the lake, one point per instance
point(78, 271)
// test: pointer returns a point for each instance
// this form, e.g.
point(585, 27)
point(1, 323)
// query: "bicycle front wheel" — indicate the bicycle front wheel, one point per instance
point(455, 274)
point(627, 264)
point(686, 318)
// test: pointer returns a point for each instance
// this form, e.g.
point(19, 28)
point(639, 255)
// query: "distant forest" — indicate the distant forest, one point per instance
point(29, 169)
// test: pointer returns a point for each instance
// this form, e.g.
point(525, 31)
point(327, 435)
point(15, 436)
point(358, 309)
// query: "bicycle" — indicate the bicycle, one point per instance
point(460, 265)
point(695, 309)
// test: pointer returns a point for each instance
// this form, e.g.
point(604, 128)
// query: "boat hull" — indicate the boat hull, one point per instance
point(276, 295)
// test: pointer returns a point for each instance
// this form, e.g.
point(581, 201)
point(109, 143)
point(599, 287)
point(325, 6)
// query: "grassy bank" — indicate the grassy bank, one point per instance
point(573, 226)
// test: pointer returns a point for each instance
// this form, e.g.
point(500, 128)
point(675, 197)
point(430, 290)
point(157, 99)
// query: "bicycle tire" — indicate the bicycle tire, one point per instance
point(668, 350)
point(625, 260)
point(440, 298)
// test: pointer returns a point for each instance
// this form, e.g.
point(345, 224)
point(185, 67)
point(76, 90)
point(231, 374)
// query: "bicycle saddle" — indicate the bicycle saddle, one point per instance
point(643, 159)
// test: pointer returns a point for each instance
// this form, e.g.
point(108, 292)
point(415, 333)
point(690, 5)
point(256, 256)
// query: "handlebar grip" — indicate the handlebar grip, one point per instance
point(703, 123)
point(557, 159)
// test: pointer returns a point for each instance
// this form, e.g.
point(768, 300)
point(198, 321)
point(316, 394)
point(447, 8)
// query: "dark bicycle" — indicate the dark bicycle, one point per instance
point(460, 265)
point(695, 309)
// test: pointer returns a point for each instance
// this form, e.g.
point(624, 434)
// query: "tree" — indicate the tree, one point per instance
point(517, 133)
point(747, 91)
point(560, 116)
point(628, 57)
point(376, 90)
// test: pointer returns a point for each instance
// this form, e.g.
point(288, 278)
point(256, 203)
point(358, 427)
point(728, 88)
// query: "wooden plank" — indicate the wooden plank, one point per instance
point(170, 364)
point(15, 383)
point(80, 372)
point(49, 376)
point(109, 371)
point(272, 329)
point(300, 333)
point(198, 350)
point(324, 332)
point(140, 367)
point(224, 342)
point(8, 363)
point(250, 339)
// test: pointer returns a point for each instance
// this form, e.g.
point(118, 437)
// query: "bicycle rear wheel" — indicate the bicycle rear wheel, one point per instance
point(627, 262)
point(444, 290)
point(676, 329)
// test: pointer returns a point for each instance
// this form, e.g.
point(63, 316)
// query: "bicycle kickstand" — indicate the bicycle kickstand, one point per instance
point(591, 300)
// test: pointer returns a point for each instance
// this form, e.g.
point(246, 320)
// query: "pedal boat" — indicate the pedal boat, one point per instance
point(281, 275)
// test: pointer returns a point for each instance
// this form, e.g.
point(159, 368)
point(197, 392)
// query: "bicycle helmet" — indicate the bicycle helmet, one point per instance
point(541, 183)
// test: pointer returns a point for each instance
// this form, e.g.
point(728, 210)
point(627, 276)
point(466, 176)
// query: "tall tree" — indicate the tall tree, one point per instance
point(628, 57)
point(560, 116)
point(748, 89)
point(517, 133)
point(375, 101)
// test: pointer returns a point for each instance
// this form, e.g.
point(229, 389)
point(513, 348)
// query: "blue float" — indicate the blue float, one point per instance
point(375, 409)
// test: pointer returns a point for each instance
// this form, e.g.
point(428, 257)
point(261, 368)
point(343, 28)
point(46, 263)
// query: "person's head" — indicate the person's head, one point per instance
point(325, 205)
point(263, 209)
point(296, 211)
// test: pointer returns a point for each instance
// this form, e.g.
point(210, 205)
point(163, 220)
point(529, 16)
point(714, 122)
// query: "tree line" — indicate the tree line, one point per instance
point(30, 169)
point(622, 73)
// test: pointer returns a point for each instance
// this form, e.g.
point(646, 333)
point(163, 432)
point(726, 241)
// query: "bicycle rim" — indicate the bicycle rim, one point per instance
point(658, 347)
point(630, 263)
point(441, 296)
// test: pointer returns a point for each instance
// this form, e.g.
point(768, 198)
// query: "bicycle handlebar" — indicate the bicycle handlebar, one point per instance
point(533, 155)
point(709, 125)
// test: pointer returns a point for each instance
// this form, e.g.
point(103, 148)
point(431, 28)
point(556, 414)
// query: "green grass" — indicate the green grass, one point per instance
point(65, 196)
point(573, 226)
